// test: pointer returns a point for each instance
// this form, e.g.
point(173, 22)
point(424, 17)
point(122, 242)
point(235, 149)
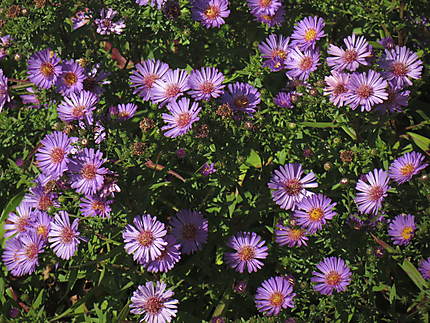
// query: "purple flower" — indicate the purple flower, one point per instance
point(249, 247)
point(106, 25)
point(301, 64)
point(94, 78)
point(333, 274)
point(77, 107)
point(337, 87)
point(387, 42)
point(41, 224)
point(44, 68)
point(170, 87)
point(19, 222)
point(372, 191)
point(210, 13)
point(307, 32)
point(63, 236)
point(366, 90)
point(190, 229)
point(40, 197)
point(87, 175)
point(71, 78)
point(272, 20)
point(401, 65)
point(126, 111)
point(402, 229)
point(155, 302)
point(264, 7)
point(274, 294)
point(81, 18)
point(283, 100)
point(21, 255)
point(424, 268)
point(4, 95)
point(168, 258)
point(242, 97)
point(208, 169)
point(110, 186)
point(181, 117)
point(313, 211)
point(274, 50)
point(403, 168)
point(397, 98)
point(95, 206)
point(30, 98)
point(52, 156)
point(288, 186)
point(145, 239)
point(146, 73)
point(159, 3)
point(356, 53)
point(289, 236)
point(206, 83)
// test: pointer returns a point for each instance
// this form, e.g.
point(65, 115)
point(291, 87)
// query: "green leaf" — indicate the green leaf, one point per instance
point(124, 312)
point(254, 159)
point(414, 274)
point(420, 141)
point(318, 124)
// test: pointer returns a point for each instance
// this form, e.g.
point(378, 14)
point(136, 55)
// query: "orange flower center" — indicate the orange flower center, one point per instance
point(399, 69)
point(207, 87)
point(295, 234)
point(407, 233)
point(265, 3)
point(153, 305)
point(98, 206)
point(78, 111)
point(145, 238)
point(305, 63)
point(333, 278)
point(241, 101)
point(172, 91)
point(310, 34)
point(57, 155)
point(124, 114)
point(189, 231)
point(407, 170)
point(183, 120)
point(45, 202)
point(350, 55)
point(67, 235)
point(31, 251)
point(279, 53)
point(339, 89)
point(42, 230)
point(89, 171)
point(21, 224)
point(246, 253)
point(292, 187)
point(212, 12)
point(149, 80)
point(47, 69)
point(70, 78)
point(276, 299)
point(364, 91)
point(316, 214)
point(375, 193)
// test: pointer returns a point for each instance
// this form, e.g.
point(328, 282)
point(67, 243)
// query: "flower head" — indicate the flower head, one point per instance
point(424, 268)
point(397, 99)
point(168, 258)
point(402, 229)
point(372, 191)
point(272, 20)
point(356, 52)
point(40, 197)
point(307, 32)
point(4, 95)
point(80, 19)
point(337, 87)
point(264, 7)
point(170, 87)
point(249, 248)
point(44, 68)
point(144, 239)
point(190, 229)
point(78, 107)
point(206, 83)
point(41, 224)
point(333, 274)
point(242, 97)
point(126, 111)
point(274, 294)
point(71, 78)
point(288, 186)
point(290, 236)
point(106, 25)
point(155, 302)
point(283, 100)
point(19, 222)
point(211, 13)
point(274, 50)
point(181, 117)
point(143, 77)
point(63, 236)
point(95, 206)
point(301, 64)
point(403, 168)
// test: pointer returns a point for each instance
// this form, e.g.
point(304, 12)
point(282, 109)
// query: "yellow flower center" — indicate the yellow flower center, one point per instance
point(276, 299)
point(407, 170)
point(310, 34)
point(316, 214)
point(333, 278)
point(407, 233)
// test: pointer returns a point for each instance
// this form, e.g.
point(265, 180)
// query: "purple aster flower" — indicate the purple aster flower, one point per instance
point(145, 239)
point(170, 87)
point(190, 228)
point(397, 99)
point(240, 286)
point(30, 98)
point(355, 222)
point(401, 65)
point(249, 247)
point(307, 32)
point(95, 206)
point(301, 64)
point(144, 76)
point(19, 222)
point(6, 41)
point(181, 117)
point(424, 268)
point(288, 186)
point(272, 20)
point(387, 42)
point(81, 18)
point(274, 294)
point(41, 224)
point(313, 211)
point(87, 175)
point(44, 68)
point(274, 50)
point(21, 257)
point(242, 97)
point(71, 78)
point(402, 229)
point(168, 258)
point(290, 236)
point(52, 156)
point(372, 191)
point(210, 13)
point(337, 87)
point(403, 168)
point(159, 3)
point(94, 77)
point(356, 52)
point(155, 302)
point(366, 90)
point(99, 133)
point(77, 107)
point(106, 25)
point(206, 83)
point(126, 111)
point(4, 95)
point(283, 100)
point(333, 274)
point(40, 197)
point(63, 236)
point(110, 186)
point(208, 169)
point(264, 7)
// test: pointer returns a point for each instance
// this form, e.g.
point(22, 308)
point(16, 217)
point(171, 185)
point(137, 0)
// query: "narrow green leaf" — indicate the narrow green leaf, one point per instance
point(420, 141)
point(414, 274)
